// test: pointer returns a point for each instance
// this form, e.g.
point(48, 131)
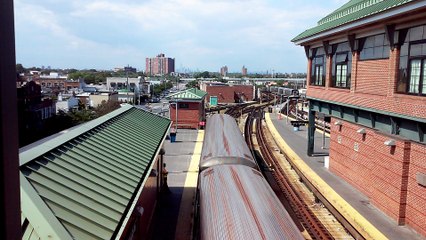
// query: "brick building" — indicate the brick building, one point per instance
point(224, 71)
point(33, 111)
point(190, 108)
point(159, 65)
point(228, 93)
point(367, 71)
point(56, 81)
point(244, 71)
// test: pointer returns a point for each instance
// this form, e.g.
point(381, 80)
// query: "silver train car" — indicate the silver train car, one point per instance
point(238, 203)
point(288, 91)
point(224, 143)
point(235, 201)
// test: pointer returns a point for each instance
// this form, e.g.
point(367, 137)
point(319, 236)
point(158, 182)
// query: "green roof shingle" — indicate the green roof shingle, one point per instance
point(350, 12)
point(89, 181)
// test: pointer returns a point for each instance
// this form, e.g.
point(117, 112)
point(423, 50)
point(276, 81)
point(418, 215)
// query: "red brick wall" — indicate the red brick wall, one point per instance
point(416, 194)
point(382, 176)
point(372, 77)
point(187, 117)
point(225, 94)
point(373, 86)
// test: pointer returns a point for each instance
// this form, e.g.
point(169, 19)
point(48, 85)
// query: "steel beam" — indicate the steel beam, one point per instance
point(9, 173)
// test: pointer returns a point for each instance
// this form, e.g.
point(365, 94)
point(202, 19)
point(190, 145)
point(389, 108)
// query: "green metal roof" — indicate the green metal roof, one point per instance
point(350, 12)
point(189, 94)
point(88, 182)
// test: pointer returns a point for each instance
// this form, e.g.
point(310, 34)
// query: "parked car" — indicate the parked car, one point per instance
point(155, 100)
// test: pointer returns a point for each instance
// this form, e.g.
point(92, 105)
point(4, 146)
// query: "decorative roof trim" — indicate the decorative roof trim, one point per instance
point(192, 92)
point(348, 10)
point(416, 119)
point(387, 13)
point(31, 151)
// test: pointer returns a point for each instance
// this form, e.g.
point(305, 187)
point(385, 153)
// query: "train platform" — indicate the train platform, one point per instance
point(352, 204)
point(174, 212)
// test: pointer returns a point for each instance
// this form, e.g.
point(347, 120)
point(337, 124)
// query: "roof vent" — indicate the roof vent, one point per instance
point(390, 142)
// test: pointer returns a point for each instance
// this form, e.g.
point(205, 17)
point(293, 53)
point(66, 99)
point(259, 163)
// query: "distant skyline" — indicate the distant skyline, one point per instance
point(201, 35)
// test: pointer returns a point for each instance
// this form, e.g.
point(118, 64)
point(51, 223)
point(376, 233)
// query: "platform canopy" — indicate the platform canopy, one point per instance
point(82, 182)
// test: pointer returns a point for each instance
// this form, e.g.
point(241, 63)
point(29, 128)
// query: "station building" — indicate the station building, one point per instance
point(228, 93)
point(367, 71)
point(187, 108)
point(98, 180)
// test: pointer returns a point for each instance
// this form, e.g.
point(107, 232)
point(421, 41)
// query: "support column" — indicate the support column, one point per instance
point(311, 131)
point(9, 173)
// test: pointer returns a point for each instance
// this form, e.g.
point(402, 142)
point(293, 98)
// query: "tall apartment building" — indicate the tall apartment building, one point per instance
point(224, 71)
point(244, 71)
point(367, 72)
point(159, 65)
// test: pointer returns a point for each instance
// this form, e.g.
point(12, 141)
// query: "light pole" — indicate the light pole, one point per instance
point(176, 116)
point(288, 101)
point(127, 82)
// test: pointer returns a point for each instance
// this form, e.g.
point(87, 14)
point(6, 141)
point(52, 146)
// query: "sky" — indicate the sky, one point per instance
point(202, 35)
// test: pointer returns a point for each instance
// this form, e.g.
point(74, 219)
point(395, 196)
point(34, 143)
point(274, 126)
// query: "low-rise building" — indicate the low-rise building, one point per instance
point(187, 108)
point(65, 104)
point(228, 93)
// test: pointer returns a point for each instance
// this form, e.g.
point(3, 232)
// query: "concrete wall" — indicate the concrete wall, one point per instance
point(97, 99)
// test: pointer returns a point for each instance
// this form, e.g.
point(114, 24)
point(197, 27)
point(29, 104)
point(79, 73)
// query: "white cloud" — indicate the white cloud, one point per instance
point(106, 32)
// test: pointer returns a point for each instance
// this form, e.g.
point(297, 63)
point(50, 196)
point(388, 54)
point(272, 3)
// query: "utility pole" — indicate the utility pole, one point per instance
point(127, 82)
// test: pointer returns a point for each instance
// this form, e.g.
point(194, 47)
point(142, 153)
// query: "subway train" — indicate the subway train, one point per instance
point(283, 91)
point(234, 200)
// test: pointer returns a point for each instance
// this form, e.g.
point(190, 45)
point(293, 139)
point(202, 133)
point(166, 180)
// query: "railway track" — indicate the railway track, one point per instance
point(318, 221)
point(308, 219)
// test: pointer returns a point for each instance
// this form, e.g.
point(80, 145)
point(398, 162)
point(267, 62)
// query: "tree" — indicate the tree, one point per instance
point(204, 74)
point(192, 84)
point(20, 68)
point(106, 107)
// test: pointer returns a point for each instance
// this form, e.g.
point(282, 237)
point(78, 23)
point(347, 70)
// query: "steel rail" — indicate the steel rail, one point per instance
point(308, 219)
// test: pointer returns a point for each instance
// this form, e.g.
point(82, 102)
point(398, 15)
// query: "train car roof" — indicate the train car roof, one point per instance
point(224, 143)
point(236, 202)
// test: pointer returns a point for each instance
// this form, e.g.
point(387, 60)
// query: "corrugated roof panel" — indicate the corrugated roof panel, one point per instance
point(84, 175)
point(80, 223)
point(63, 173)
point(106, 161)
point(89, 180)
point(54, 190)
point(105, 173)
point(189, 94)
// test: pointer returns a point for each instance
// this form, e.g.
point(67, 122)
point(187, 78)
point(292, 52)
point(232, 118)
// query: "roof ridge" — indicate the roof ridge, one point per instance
point(348, 10)
point(349, 13)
